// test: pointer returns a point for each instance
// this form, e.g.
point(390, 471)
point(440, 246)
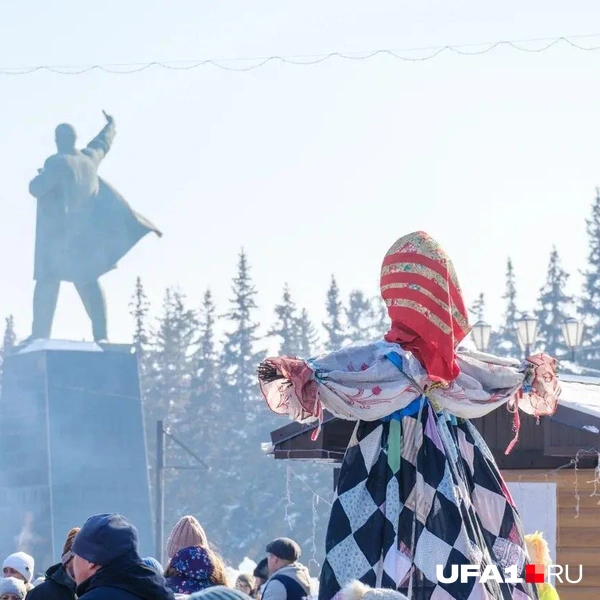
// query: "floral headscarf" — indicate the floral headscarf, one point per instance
point(193, 571)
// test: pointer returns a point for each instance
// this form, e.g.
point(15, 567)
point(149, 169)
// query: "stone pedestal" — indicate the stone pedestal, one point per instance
point(72, 444)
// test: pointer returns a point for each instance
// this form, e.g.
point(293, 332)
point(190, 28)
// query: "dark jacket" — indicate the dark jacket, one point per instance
point(126, 578)
point(57, 586)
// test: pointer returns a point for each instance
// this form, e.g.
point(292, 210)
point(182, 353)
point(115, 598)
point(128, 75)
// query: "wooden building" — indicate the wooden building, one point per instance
point(553, 472)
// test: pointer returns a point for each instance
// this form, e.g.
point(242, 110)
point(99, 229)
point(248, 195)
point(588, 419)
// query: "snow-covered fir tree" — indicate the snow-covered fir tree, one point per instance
point(333, 324)
point(308, 336)
point(201, 429)
point(241, 357)
point(477, 309)
point(9, 340)
point(286, 328)
point(205, 411)
point(553, 308)
point(361, 318)
point(169, 375)
point(139, 308)
point(505, 341)
point(589, 304)
point(382, 318)
point(170, 360)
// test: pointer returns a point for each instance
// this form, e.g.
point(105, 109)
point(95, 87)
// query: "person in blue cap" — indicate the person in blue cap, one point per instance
point(107, 565)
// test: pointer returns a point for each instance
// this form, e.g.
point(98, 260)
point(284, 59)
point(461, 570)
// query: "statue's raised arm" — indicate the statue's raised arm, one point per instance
point(98, 148)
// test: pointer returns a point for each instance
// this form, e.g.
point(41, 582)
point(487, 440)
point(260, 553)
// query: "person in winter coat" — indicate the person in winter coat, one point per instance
point(288, 579)
point(12, 588)
point(59, 583)
point(107, 565)
point(20, 566)
point(193, 565)
point(194, 569)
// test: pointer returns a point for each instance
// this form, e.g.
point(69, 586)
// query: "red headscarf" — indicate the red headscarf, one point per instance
point(424, 302)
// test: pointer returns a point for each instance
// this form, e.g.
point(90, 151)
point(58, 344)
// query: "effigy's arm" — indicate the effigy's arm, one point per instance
point(363, 383)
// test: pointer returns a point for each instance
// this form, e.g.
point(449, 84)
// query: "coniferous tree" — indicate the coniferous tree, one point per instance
point(553, 308)
point(333, 324)
point(10, 336)
point(139, 307)
point(381, 315)
point(308, 336)
point(9, 340)
point(240, 358)
point(205, 382)
point(203, 425)
point(287, 326)
point(170, 369)
point(168, 378)
point(505, 342)
point(589, 305)
point(205, 409)
point(361, 318)
point(477, 309)
point(250, 422)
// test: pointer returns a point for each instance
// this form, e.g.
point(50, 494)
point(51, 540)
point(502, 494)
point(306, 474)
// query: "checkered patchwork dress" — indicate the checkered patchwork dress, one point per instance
point(419, 489)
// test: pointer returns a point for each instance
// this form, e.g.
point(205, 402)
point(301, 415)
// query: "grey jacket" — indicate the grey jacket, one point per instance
point(275, 590)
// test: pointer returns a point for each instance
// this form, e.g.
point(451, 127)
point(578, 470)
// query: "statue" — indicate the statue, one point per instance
point(84, 227)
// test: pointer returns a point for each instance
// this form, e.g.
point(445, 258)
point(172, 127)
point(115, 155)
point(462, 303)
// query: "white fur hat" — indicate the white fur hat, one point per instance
point(356, 590)
point(22, 563)
point(12, 585)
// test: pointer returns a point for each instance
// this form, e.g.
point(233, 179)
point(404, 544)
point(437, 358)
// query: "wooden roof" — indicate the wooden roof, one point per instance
point(547, 444)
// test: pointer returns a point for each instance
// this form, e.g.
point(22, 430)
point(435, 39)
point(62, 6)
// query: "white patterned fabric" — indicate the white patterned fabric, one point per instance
point(359, 382)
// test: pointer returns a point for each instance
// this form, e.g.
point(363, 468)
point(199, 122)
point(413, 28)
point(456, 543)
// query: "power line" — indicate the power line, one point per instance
point(309, 59)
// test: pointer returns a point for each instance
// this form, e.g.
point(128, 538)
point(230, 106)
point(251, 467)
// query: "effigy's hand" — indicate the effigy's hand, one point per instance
point(267, 373)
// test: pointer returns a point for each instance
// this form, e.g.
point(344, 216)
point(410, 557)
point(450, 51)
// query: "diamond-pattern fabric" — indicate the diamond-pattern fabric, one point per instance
point(417, 490)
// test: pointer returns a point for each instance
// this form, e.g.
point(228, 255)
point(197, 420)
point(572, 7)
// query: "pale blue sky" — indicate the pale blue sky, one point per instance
point(313, 169)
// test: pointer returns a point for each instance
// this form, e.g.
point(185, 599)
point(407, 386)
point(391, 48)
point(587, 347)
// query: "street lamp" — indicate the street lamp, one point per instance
point(481, 333)
point(527, 332)
point(572, 330)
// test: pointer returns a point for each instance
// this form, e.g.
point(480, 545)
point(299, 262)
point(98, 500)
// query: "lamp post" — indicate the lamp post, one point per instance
point(527, 332)
point(573, 330)
point(481, 333)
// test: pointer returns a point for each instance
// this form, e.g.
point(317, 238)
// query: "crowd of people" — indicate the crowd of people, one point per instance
point(101, 560)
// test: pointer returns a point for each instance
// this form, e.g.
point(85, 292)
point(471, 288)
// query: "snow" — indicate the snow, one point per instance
point(591, 428)
point(581, 394)
point(267, 448)
point(60, 345)
point(247, 566)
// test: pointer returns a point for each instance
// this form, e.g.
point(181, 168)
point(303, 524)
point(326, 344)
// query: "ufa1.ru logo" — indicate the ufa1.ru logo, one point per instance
point(533, 574)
